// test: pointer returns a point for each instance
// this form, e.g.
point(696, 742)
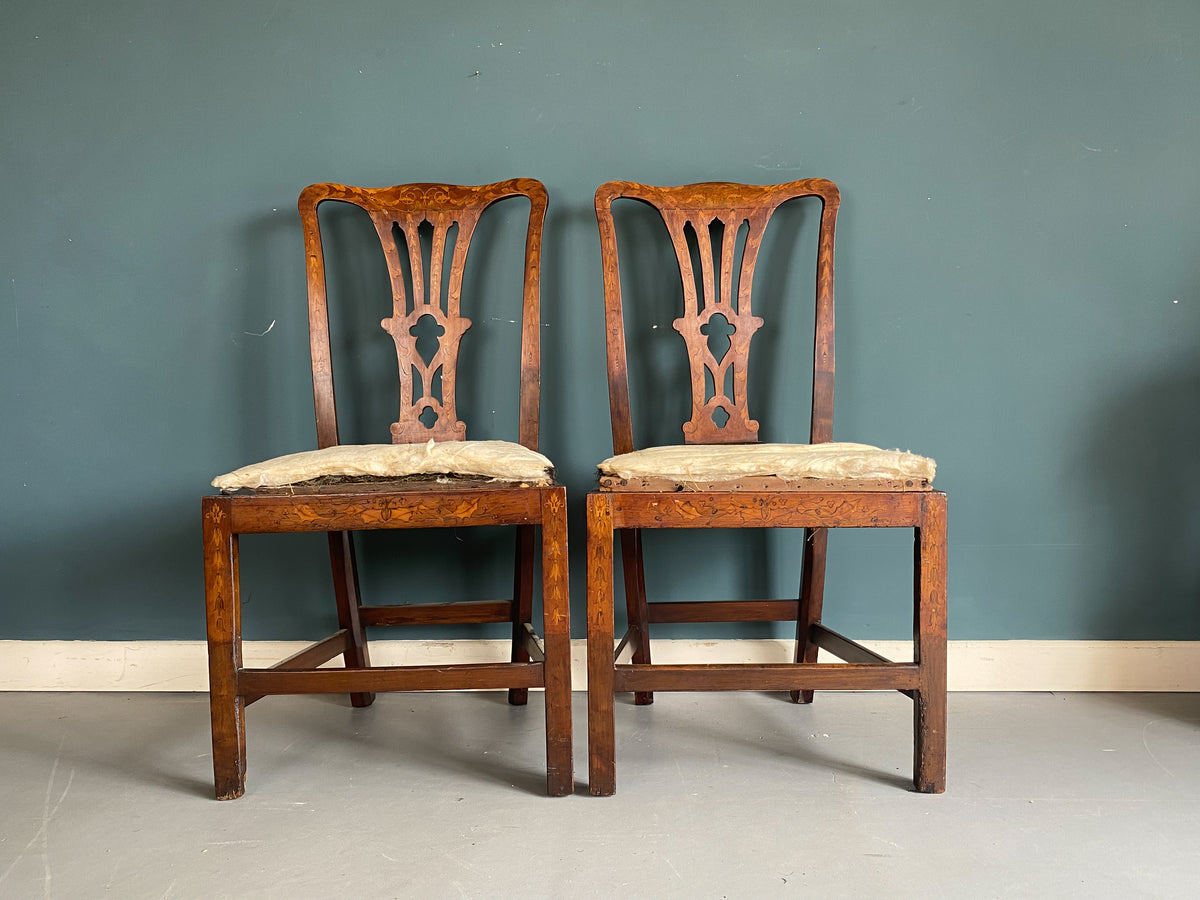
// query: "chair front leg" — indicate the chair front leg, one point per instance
point(556, 625)
point(929, 649)
point(601, 728)
point(224, 615)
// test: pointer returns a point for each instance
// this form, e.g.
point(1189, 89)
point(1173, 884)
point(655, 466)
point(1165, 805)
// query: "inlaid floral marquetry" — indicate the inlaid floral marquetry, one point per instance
point(423, 478)
point(717, 231)
point(716, 303)
point(723, 477)
point(425, 231)
point(426, 411)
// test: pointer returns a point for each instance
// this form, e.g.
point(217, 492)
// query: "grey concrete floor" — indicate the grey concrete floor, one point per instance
point(719, 795)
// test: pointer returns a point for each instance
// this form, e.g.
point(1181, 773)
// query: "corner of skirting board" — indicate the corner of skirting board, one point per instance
point(131, 666)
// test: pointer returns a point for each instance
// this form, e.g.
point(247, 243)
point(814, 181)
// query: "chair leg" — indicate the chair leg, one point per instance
point(224, 615)
point(929, 649)
point(601, 731)
point(556, 625)
point(635, 603)
point(345, 590)
point(812, 592)
point(522, 605)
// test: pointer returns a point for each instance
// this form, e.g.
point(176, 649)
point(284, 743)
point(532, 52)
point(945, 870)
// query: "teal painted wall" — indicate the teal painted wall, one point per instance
point(1018, 282)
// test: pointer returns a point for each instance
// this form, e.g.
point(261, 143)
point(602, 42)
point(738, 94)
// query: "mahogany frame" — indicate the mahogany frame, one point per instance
point(343, 509)
point(756, 503)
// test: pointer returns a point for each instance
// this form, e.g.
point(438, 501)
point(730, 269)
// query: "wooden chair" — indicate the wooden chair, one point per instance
point(710, 484)
point(389, 501)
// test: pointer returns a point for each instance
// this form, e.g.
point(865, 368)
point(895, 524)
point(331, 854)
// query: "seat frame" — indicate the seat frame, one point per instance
point(343, 509)
point(759, 502)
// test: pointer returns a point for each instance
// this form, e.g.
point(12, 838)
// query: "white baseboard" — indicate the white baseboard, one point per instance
point(973, 665)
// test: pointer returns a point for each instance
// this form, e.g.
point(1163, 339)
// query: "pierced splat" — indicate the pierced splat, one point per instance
point(717, 317)
point(716, 229)
point(425, 231)
point(425, 324)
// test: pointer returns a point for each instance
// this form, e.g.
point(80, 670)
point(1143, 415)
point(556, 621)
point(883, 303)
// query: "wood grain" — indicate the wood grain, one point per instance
point(767, 677)
point(708, 223)
point(929, 648)
point(461, 676)
point(723, 611)
point(726, 207)
point(637, 612)
point(402, 210)
point(556, 620)
point(812, 595)
point(385, 510)
point(349, 602)
point(224, 617)
point(601, 728)
point(520, 608)
point(765, 509)
point(457, 613)
point(450, 214)
point(762, 483)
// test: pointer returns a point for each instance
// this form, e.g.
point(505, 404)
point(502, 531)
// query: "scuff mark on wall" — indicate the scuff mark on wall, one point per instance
point(260, 333)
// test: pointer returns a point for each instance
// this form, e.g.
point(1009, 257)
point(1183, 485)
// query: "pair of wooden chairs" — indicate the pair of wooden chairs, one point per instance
point(430, 476)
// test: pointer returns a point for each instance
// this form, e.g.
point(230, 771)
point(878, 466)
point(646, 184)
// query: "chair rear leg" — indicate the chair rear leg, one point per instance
point(345, 590)
point(929, 648)
point(522, 604)
point(556, 625)
point(224, 617)
point(812, 593)
point(635, 603)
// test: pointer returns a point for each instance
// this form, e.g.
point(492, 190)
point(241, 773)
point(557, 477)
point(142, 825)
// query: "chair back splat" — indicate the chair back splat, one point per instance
point(723, 477)
point(720, 227)
point(424, 294)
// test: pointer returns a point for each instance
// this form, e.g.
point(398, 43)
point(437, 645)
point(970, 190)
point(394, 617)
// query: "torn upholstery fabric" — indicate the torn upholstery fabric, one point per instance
point(499, 460)
point(711, 462)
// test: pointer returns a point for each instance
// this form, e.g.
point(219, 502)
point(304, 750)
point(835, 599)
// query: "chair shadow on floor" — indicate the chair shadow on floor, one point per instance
point(148, 755)
point(775, 732)
point(481, 739)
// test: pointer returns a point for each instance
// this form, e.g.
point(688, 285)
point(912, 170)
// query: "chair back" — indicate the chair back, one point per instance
point(707, 223)
point(425, 297)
